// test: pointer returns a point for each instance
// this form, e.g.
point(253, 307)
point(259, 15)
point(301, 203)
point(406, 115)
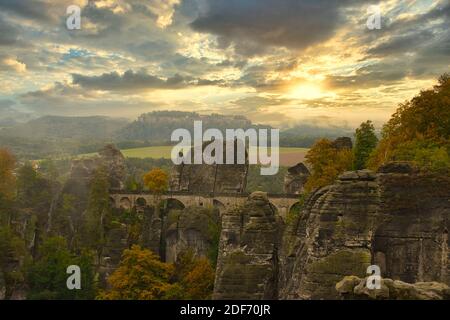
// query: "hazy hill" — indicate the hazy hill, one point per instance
point(63, 136)
point(158, 126)
point(56, 127)
point(59, 136)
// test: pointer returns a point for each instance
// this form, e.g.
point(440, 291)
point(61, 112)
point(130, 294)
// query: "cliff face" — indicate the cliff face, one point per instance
point(247, 263)
point(330, 239)
point(193, 228)
point(411, 244)
point(396, 219)
point(213, 178)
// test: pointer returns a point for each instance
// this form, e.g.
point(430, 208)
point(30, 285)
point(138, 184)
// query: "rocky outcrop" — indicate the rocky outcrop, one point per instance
point(213, 178)
point(352, 287)
point(411, 241)
point(82, 172)
point(247, 264)
point(193, 228)
point(396, 218)
point(296, 178)
point(331, 238)
point(342, 143)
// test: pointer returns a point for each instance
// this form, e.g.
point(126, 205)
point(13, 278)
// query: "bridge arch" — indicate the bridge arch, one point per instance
point(125, 203)
point(174, 203)
point(112, 202)
point(141, 202)
point(294, 206)
point(219, 206)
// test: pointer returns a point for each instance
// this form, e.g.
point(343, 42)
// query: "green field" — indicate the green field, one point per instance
point(288, 156)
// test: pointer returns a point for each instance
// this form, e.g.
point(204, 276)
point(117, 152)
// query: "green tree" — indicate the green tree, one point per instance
point(34, 198)
point(47, 275)
point(98, 214)
point(12, 253)
point(7, 179)
point(365, 142)
point(7, 187)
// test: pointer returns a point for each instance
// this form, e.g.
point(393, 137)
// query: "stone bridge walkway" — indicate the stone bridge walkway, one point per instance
point(127, 200)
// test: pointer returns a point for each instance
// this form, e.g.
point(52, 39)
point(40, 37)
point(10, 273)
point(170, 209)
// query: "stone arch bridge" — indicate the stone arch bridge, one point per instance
point(127, 200)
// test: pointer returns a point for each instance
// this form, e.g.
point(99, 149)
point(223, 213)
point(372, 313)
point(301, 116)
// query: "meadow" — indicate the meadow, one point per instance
point(288, 156)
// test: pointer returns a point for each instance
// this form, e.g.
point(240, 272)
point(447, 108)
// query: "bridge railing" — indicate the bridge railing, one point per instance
point(206, 194)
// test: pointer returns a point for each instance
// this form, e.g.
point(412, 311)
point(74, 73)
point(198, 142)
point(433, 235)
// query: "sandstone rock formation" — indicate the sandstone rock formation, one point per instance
point(248, 251)
point(193, 228)
point(214, 178)
point(331, 238)
point(342, 143)
point(352, 287)
point(82, 172)
point(296, 178)
point(397, 218)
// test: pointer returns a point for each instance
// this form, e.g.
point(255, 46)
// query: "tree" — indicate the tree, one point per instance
point(156, 181)
point(12, 252)
point(419, 131)
point(98, 214)
point(365, 143)
point(7, 186)
point(7, 179)
point(34, 198)
point(198, 283)
point(140, 276)
point(47, 275)
point(326, 162)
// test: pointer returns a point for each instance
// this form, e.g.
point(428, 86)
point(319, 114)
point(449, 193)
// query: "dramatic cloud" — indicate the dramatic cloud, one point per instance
point(130, 81)
point(8, 63)
point(33, 9)
point(9, 33)
point(254, 25)
point(275, 61)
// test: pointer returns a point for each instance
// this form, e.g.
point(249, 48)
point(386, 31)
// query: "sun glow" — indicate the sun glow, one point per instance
point(306, 92)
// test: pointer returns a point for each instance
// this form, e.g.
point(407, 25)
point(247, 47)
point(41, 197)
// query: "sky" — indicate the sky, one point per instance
point(278, 62)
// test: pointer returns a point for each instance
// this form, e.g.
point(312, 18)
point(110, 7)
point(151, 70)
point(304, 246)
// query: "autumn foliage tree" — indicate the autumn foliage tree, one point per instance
point(419, 131)
point(326, 162)
point(195, 274)
point(157, 182)
point(140, 276)
point(198, 283)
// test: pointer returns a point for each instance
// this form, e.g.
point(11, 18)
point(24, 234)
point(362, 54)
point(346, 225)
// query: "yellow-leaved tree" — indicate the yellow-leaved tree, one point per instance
point(326, 162)
point(419, 131)
point(140, 276)
point(157, 182)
